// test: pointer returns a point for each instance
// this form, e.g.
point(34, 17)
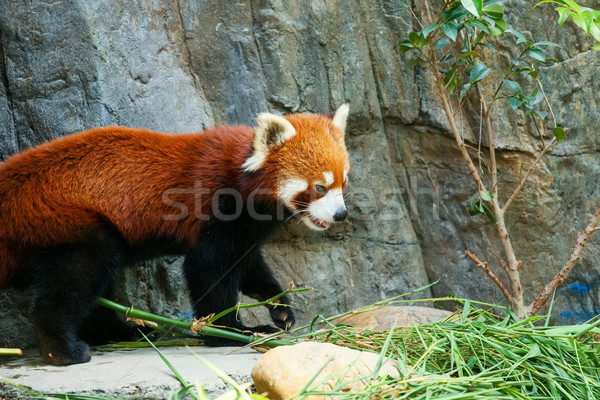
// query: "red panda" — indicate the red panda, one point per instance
point(76, 210)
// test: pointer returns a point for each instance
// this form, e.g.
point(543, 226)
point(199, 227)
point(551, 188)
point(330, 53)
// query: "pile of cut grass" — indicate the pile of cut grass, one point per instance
point(478, 355)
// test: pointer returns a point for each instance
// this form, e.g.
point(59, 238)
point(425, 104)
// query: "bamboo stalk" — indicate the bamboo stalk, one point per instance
point(177, 323)
point(10, 352)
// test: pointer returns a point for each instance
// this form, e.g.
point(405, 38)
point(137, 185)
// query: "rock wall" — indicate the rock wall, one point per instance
point(183, 65)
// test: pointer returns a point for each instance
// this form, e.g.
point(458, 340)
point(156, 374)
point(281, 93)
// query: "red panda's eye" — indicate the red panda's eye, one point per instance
point(320, 189)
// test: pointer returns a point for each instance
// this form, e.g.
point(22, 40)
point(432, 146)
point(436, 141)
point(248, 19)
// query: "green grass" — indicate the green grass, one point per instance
point(478, 355)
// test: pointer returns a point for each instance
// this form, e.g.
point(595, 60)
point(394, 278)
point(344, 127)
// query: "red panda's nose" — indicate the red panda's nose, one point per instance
point(340, 214)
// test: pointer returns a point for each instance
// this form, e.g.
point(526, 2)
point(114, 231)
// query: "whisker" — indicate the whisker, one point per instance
point(301, 218)
point(299, 203)
point(294, 214)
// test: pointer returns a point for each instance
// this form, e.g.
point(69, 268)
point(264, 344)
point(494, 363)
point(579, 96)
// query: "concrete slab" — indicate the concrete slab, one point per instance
point(132, 374)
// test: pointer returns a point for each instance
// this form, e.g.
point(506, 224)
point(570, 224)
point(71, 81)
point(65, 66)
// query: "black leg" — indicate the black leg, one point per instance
point(213, 276)
point(260, 284)
point(103, 326)
point(69, 279)
point(216, 272)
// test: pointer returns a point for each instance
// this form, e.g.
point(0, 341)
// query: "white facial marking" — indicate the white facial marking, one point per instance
point(328, 177)
point(345, 175)
point(325, 208)
point(290, 188)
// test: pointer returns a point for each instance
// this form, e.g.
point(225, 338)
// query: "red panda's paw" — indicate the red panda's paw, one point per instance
point(283, 317)
point(77, 353)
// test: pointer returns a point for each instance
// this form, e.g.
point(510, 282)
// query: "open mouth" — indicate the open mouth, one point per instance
point(320, 223)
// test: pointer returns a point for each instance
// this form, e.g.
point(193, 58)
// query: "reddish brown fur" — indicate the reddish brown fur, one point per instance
point(53, 193)
point(317, 147)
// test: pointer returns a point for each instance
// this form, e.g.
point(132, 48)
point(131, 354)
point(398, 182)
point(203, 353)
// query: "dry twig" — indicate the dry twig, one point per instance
point(488, 271)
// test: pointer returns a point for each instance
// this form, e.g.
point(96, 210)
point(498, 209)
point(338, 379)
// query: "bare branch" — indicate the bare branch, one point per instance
point(582, 239)
point(486, 269)
point(524, 179)
point(428, 12)
point(491, 143)
point(480, 133)
point(500, 260)
point(547, 101)
point(537, 128)
point(439, 80)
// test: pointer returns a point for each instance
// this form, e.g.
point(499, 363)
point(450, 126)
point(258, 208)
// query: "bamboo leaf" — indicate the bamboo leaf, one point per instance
point(546, 43)
point(405, 46)
point(468, 53)
point(480, 25)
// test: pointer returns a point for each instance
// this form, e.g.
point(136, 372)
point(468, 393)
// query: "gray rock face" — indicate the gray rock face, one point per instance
point(183, 65)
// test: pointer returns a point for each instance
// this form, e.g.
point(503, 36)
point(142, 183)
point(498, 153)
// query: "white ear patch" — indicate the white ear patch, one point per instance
point(290, 188)
point(271, 130)
point(254, 162)
point(340, 117)
point(328, 177)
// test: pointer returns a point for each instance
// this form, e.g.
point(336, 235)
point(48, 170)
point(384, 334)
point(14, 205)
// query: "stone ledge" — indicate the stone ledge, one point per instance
point(133, 374)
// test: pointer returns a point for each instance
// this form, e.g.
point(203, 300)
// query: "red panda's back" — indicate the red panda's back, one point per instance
point(56, 192)
point(53, 193)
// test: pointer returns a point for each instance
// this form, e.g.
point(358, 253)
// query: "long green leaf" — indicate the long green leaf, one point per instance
point(179, 377)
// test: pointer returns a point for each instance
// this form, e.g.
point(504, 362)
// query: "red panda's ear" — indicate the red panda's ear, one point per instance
point(339, 120)
point(271, 130)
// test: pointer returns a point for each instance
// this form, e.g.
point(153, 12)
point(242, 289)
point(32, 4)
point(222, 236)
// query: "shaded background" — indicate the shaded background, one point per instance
point(183, 65)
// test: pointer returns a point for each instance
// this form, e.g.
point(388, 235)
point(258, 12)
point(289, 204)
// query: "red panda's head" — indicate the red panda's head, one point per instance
point(308, 154)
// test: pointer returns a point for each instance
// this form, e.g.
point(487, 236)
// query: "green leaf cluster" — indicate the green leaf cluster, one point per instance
point(584, 17)
point(459, 42)
point(479, 207)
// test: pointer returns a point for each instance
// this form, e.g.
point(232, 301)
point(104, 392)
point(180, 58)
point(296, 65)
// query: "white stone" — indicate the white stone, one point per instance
point(284, 371)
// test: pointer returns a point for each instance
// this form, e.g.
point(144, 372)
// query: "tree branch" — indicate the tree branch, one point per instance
point(491, 142)
point(488, 271)
point(439, 81)
point(582, 239)
point(529, 171)
point(513, 266)
point(500, 260)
